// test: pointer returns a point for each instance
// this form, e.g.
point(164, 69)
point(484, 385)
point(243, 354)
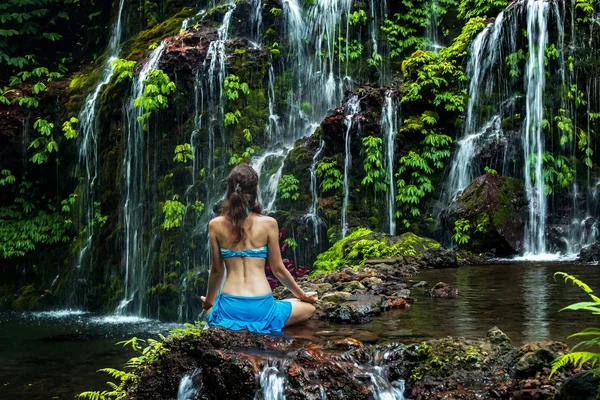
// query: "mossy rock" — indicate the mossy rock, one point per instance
point(495, 207)
point(32, 298)
point(363, 244)
point(168, 27)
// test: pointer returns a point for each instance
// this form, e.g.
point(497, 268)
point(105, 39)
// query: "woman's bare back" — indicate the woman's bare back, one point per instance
point(245, 275)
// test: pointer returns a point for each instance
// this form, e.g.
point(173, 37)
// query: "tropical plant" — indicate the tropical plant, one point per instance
point(25, 224)
point(331, 174)
point(155, 96)
point(123, 69)
point(174, 212)
point(461, 231)
point(558, 172)
point(288, 187)
point(578, 358)
point(233, 86)
point(183, 153)
point(373, 164)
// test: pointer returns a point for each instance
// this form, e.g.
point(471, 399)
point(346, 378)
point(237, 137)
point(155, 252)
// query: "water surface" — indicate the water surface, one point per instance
point(55, 355)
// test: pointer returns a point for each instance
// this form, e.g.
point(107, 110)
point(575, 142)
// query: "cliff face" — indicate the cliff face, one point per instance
point(351, 122)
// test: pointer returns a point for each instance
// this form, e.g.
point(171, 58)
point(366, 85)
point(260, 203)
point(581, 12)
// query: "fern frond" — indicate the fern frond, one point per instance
point(579, 283)
point(587, 343)
point(587, 332)
point(92, 395)
point(115, 373)
point(576, 359)
point(114, 386)
point(584, 305)
point(134, 362)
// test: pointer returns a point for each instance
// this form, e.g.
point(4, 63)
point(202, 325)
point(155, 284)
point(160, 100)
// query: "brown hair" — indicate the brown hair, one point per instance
point(242, 193)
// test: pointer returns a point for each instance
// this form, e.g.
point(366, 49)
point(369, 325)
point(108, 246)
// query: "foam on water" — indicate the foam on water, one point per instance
point(58, 313)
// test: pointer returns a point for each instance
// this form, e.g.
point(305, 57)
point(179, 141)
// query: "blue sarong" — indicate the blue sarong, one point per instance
point(261, 314)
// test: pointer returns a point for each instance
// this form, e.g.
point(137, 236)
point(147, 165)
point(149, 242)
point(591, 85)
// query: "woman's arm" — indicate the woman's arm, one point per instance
point(217, 269)
point(277, 267)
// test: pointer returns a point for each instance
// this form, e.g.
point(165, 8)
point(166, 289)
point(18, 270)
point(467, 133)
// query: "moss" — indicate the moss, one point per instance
point(30, 298)
point(166, 28)
point(363, 244)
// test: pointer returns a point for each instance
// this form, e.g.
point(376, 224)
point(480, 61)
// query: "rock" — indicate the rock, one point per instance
point(403, 293)
point(393, 302)
point(590, 254)
point(371, 281)
point(534, 356)
point(442, 290)
point(419, 284)
point(440, 258)
point(495, 207)
point(581, 386)
point(497, 337)
point(359, 308)
point(352, 286)
point(363, 244)
point(347, 343)
point(335, 297)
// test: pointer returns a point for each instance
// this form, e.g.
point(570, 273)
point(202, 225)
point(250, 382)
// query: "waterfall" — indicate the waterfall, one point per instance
point(187, 389)
point(494, 71)
point(389, 127)
point(533, 138)
point(383, 389)
point(353, 108)
point(133, 182)
point(210, 81)
point(313, 211)
point(87, 167)
point(267, 190)
point(483, 56)
point(432, 29)
point(272, 383)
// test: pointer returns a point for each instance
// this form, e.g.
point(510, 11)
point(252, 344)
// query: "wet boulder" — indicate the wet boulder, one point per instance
point(534, 356)
point(492, 210)
point(442, 290)
point(581, 386)
point(590, 253)
point(359, 308)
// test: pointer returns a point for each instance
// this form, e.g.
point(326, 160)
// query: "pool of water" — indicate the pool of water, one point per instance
point(55, 355)
point(522, 299)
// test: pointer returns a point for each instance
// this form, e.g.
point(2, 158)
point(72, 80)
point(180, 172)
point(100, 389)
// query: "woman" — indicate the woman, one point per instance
point(242, 239)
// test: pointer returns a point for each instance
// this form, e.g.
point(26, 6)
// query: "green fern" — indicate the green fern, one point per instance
point(582, 285)
point(578, 358)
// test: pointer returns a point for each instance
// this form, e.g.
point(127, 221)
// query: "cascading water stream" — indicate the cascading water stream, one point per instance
point(432, 29)
point(267, 193)
point(482, 58)
point(313, 211)
point(135, 281)
point(272, 383)
point(88, 147)
point(389, 127)
point(353, 109)
point(533, 138)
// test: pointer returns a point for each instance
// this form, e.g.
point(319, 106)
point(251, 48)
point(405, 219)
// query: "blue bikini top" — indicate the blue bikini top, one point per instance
point(260, 252)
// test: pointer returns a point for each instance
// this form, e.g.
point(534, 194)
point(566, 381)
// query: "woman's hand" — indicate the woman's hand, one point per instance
point(205, 304)
point(309, 297)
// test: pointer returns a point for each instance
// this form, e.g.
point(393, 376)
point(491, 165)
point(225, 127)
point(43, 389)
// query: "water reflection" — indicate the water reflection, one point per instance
point(522, 299)
point(535, 303)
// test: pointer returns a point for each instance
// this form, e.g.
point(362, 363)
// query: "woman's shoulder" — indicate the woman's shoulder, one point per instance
point(217, 221)
point(266, 222)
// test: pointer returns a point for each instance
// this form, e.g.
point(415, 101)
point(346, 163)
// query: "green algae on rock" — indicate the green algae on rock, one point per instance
point(362, 244)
